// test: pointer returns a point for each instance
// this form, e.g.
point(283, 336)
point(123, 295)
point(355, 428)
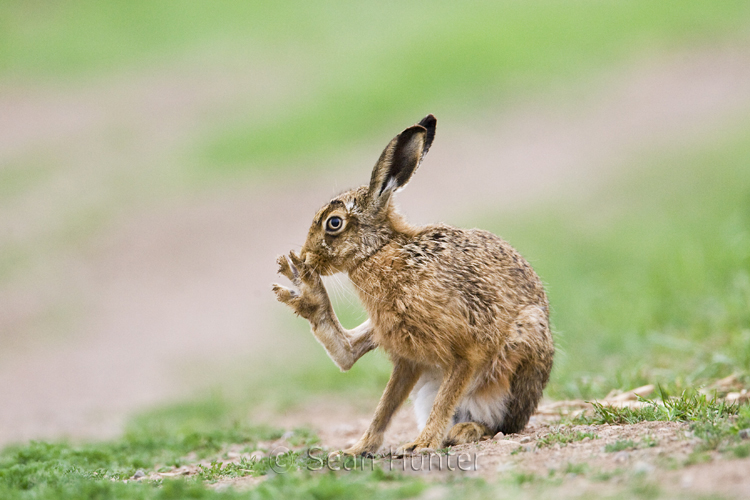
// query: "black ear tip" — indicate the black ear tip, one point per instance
point(429, 122)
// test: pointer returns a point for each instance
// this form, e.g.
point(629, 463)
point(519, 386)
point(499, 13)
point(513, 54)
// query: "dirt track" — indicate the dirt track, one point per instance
point(602, 461)
point(183, 283)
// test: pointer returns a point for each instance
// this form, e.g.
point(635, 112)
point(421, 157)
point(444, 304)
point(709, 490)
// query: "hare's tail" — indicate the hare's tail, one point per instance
point(532, 374)
point(525, 393)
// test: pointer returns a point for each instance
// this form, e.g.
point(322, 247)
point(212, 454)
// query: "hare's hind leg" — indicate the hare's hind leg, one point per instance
point(480, 413)
point(467, 432)
point(465, 427)
point(454, 383)
point(509, 393)
point(534, 342)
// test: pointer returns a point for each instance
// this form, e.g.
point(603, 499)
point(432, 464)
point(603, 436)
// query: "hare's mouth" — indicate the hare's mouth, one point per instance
point(312, 260)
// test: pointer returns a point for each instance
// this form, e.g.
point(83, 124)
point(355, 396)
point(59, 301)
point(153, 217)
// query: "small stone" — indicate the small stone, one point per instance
point(436, 493)
point(686, 482)
point(642, 467)
point(499, 435)
point(744, 434)
point(505, 466)
point(524, 439)
point(622, 456)
point(139, 474)
point(733, 396)
point(345, 429)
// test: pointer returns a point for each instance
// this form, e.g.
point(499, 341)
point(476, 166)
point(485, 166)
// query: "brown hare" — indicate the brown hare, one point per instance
point(462, 316)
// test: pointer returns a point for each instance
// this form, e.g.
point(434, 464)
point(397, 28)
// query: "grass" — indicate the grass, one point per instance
point(620, 445)
point(74, 484)
point(714, 422)
point(563, 436)
point(685, 408)
point(723, 433)
point(160, 437)
point(740, 450)
point(61, 470)
point(184, 434)
point(575, 468)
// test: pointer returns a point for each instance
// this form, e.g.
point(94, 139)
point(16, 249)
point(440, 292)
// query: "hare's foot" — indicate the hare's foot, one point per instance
point(310, 299)
point(419, 446)
point(467, 432)
point(367, 446)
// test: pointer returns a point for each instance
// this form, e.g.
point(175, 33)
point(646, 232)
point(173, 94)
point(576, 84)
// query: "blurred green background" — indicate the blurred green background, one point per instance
point(349, 70)
point(147, 115)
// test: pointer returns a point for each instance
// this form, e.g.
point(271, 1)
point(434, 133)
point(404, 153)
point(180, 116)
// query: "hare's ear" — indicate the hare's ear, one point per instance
point(400, 159)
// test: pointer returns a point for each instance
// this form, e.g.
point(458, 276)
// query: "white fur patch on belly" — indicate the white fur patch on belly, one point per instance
point(489, 408)
point(423, 395)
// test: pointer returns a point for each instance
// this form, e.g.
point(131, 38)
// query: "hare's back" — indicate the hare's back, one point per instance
point(475, 264)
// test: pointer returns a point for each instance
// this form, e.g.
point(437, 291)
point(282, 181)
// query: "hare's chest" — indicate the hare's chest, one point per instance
point(409, 327)
point(407, 304)
point(403, 342)
point(396, 329)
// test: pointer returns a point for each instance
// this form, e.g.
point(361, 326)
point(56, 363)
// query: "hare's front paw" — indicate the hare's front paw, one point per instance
point(367, 446)
point(311, 299)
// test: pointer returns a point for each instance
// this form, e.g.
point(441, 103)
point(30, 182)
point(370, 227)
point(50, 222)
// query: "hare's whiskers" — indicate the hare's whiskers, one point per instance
point(344, 289)
point(336, 289)
point(339, 288)
point(360, 288)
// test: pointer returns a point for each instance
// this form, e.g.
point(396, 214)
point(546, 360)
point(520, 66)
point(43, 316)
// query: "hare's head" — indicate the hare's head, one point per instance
point(357, 223)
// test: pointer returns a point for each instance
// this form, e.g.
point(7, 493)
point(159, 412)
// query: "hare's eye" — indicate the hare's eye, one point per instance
point(334, 224)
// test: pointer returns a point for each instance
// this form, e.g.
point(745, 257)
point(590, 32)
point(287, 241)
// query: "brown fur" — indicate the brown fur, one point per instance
point(454, 305)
